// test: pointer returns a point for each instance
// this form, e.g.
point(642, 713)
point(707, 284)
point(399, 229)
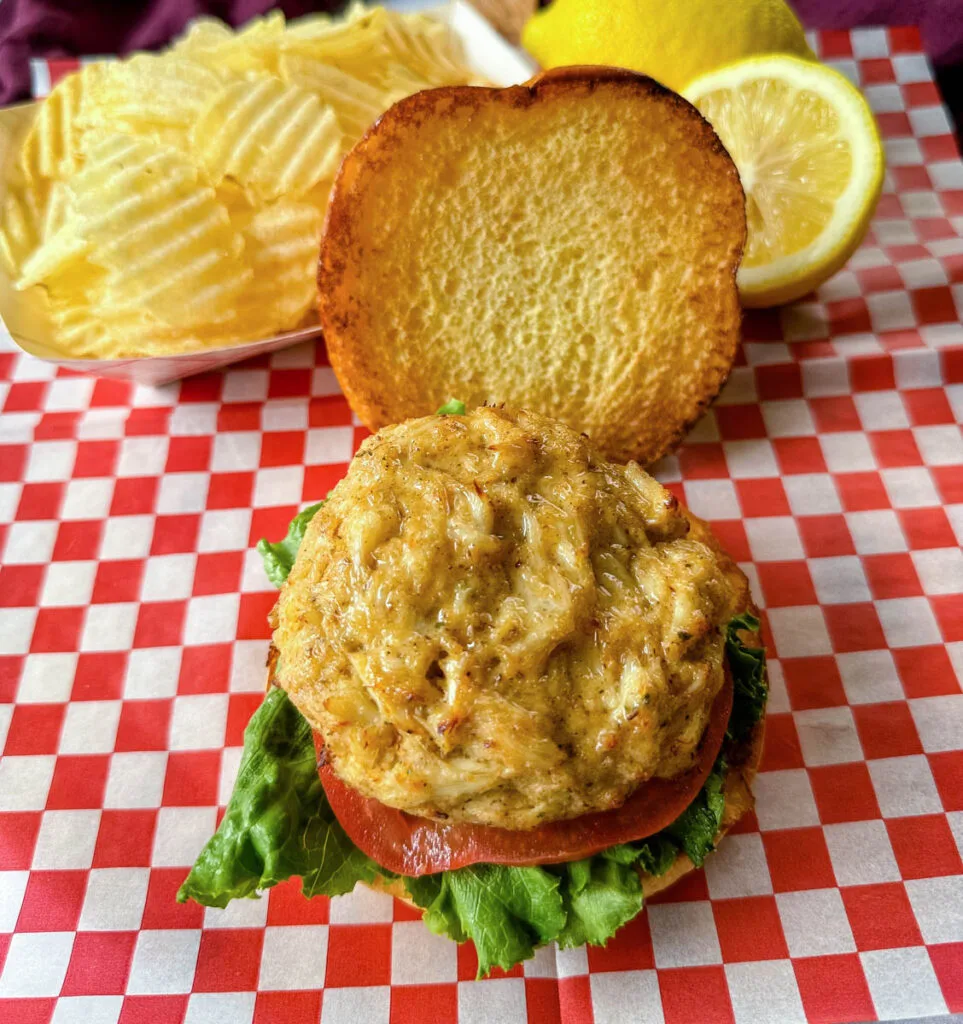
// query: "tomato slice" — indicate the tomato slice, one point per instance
point(409, 845)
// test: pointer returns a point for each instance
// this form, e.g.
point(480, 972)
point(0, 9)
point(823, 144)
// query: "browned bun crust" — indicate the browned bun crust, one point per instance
point(401, 343)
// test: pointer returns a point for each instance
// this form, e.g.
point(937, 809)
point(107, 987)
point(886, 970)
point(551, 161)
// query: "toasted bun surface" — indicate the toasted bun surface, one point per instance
point(567, 246)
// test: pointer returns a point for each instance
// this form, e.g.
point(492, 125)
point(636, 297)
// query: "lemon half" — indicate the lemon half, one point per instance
point(811, 162)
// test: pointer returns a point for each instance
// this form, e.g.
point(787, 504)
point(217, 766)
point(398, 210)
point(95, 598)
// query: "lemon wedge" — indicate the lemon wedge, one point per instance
point(811, 162)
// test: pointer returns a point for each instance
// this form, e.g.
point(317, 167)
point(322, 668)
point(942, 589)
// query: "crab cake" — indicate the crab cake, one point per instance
point(488, 622)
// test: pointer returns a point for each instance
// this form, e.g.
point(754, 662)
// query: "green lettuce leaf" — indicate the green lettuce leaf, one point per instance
point(600, 895)
point(278, 822)
point(624, 853)
point(452, 408)
point(279, 558)
point(432, 894)
point(656, 854)
point(694, 831)
point(750, 688)
point(507, 912)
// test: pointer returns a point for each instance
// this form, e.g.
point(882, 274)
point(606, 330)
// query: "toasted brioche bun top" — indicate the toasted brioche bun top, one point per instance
point(568, 246)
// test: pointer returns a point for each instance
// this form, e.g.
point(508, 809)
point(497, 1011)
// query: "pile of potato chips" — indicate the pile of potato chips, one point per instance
point(173, 202)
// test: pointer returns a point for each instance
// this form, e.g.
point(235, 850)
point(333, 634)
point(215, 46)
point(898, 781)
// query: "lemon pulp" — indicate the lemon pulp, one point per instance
point(811, 165)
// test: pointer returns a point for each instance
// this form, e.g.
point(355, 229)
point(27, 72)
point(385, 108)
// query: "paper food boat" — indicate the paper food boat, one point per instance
point(23, 313)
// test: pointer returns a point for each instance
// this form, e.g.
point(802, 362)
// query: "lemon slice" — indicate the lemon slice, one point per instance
point(811, 163)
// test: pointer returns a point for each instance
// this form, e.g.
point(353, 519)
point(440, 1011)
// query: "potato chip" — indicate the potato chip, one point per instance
point(31, 214)
point(356, 103)
point(80, 284)
point(36, 239)
point(52, 146)
point(149, 91)
point(76, 331)
point(54, 257)
point(309, 25)
point(57, 210)
point(203, 34)
point(396, 81)
point(83, 332)
point(359, 48)
point(272, 138)
point(396, 53)
point(86, 328)
point(162, 233)
point(253, 49)
point(239, 203)
point(425, 47)
point(21, 224)
point(173, 202)
point(133, 337)
point(359, 35)
point(281, 242)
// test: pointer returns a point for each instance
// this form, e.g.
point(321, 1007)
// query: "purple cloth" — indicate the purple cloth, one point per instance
point(940, 21)
point(74, 28)
point(68, 28)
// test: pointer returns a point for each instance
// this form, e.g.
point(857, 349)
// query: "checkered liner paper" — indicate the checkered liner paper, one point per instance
point(133, 635)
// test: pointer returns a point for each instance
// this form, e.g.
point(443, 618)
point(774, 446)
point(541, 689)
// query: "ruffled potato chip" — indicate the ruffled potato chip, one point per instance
point(254, 48)
point(161, 232)
point(31, 215)
point(281, 242)
point(273, 139)
point(356, 103)
point(426, 47)
point(21, 226)
point(55, 257)
point(149, 92)
point(173, 202)
point(53, 145)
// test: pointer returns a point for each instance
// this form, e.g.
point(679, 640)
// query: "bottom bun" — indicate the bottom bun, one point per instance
point(739, 801)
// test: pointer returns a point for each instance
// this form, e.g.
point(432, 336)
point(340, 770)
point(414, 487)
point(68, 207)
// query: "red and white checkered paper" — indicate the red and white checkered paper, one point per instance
point(133, 636)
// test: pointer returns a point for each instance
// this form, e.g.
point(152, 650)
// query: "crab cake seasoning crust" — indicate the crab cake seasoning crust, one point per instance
point(487, 622)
